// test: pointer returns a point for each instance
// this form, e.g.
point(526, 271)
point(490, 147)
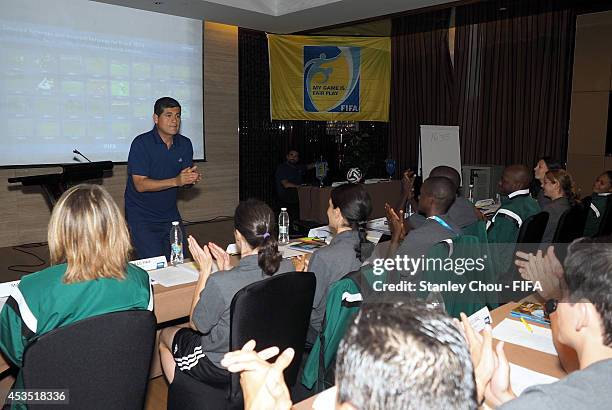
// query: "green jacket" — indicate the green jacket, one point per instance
point(504, 227)
point(479, 271)
point(598, 207)
point(43, 302)
point(344, 298)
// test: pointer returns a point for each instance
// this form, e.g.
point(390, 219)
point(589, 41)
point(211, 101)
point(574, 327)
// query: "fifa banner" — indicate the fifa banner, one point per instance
point(329, 78)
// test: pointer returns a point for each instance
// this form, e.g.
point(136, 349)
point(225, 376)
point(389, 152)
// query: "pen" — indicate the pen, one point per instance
point(527, 325)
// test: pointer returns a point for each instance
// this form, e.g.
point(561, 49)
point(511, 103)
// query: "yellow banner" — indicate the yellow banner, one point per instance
point(329, 78)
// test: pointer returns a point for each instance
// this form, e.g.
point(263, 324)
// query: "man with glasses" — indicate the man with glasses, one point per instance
point(581, 320)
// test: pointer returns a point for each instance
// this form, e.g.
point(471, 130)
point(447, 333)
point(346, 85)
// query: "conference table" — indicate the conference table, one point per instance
point(315, 200)
point(531, 359)
point(173, 303)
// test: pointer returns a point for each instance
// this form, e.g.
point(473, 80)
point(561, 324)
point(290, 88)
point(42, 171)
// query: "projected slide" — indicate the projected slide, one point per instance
point(85, 75)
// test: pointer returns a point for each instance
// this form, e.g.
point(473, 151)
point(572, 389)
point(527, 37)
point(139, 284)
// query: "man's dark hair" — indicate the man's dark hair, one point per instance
point(404, 356)
point(588, 275)
point(163, 103)
point(447, 172)
point(442, 190)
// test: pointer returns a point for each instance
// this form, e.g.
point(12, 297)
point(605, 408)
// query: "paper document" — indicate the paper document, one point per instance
point(480, 319)
point(373, 236)
point(326, 400)
point(322, 232)
point(515, 332)
point(379, 224)
point(177, 275)
point(521, 378)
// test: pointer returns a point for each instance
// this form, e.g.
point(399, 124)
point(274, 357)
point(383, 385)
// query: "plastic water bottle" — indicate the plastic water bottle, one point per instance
point(283, 227)
point(176, 244)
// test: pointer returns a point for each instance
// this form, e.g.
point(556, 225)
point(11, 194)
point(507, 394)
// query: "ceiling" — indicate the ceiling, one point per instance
point(278, 16)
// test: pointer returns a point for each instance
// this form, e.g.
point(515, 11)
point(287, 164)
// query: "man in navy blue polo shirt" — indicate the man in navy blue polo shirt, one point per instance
point(159, 162)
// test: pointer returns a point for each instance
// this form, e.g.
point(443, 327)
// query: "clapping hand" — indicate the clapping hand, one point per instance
point(396, 223)
point(201, 255)
point(300, 263)
point(545, 269)
point(408, 178)
point(263, 384)
point(491, 368)
point(222, 257)
point(188, 176)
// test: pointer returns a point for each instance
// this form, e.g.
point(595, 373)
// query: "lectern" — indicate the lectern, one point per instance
point(54, 185)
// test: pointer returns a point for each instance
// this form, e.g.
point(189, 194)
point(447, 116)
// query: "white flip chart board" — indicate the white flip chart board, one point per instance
point(439, 146)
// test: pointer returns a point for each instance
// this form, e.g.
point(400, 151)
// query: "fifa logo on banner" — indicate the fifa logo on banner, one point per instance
point(331, 79)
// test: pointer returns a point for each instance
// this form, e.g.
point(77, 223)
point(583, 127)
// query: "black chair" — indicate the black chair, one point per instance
point(571, 224)
point(103, 361)
point(273, 312)
point(532, 230)
point(528, 240)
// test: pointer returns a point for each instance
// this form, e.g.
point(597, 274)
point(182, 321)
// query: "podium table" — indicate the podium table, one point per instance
point(314, 200)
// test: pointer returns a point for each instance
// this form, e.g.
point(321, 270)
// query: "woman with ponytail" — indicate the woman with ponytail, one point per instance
point(559, 187)
point(197, 351)
point(349, 208)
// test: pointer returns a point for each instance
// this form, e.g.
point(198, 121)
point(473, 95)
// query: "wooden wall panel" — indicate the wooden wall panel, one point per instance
point(592, 80)
point(24, 213)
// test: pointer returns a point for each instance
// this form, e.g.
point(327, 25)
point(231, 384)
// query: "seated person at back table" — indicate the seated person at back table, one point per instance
point(197, 351)
point(462, 212)
point(89, 274)
point(581, 320)
point(558, 186)
point(348, 210)
point(437, 195)
point(290, 174)
point(543, 165)
point(516, 206)
point(602, 188)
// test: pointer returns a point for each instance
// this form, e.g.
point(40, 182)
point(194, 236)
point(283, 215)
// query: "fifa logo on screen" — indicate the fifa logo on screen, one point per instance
point(331, 78)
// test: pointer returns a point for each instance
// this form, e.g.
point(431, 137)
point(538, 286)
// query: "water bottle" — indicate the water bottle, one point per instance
point(283, 227)
point(176, 244)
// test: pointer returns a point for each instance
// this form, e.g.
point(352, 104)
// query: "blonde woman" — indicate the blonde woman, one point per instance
point(89, 274)
point(558, 186)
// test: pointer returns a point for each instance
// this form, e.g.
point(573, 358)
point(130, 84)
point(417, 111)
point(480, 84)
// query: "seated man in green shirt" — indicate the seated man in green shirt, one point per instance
point(516, 206)
point(602, 188)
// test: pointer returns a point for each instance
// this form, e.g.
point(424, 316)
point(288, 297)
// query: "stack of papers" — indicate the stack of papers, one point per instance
point(379, 225)
point(515, 332)
point(521, 378)
point(177, 275)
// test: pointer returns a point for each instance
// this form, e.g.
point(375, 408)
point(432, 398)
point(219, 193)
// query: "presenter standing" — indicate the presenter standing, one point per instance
point(159, 162)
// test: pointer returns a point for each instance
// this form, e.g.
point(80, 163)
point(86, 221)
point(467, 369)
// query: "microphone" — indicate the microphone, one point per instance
point(76, 151)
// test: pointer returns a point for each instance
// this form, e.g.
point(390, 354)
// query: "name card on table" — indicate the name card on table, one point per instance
point(157, 262)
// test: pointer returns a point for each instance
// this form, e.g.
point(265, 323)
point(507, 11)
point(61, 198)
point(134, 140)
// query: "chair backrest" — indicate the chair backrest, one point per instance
point(273, 312)
point(103, 360)
point(344, 298)
point(605, 226)
point(533, 228)
point(464, 248)
point(571, 224)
